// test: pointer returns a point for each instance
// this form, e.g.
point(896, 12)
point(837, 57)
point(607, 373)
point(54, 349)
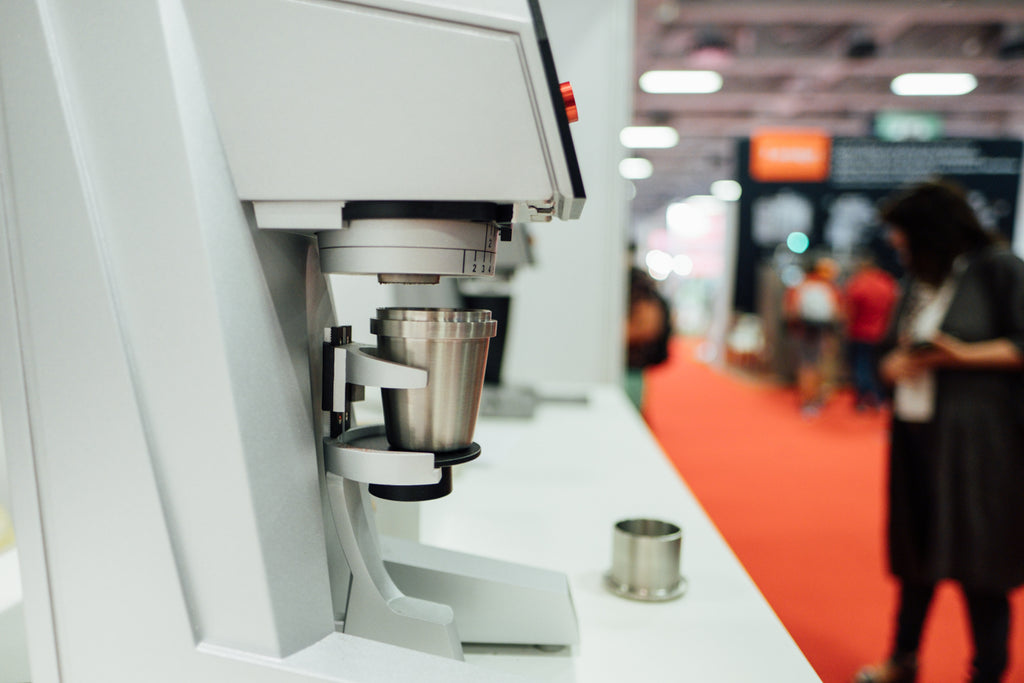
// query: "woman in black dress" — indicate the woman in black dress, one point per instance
point(956, 470)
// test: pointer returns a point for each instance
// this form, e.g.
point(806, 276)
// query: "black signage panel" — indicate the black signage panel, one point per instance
point(840, 214)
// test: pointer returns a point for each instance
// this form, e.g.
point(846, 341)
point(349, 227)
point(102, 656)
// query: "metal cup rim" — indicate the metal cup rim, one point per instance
point(434, 315)
point(645, 527)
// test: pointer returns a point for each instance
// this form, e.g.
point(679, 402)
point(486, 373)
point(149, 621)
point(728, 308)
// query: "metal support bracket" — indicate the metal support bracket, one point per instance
point(362, 454)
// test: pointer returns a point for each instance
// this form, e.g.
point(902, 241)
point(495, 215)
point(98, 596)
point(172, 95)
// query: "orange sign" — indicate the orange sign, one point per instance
point(790, 155)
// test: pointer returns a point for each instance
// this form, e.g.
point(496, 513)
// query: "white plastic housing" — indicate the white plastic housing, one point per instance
point(404, 100)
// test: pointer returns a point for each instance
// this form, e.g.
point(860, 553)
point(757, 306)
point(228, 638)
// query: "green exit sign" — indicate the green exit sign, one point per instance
point(897, 126)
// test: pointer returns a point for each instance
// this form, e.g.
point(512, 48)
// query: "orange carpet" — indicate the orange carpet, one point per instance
point(801, 502)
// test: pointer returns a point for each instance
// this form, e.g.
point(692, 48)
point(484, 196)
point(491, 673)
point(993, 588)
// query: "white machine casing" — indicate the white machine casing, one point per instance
point(165, 165)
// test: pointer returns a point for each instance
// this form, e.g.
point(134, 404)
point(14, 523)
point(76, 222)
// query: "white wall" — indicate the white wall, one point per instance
point(568, 309)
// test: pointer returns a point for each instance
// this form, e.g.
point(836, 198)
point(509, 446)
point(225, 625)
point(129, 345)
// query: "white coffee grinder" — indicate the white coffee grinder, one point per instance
point(190, 501)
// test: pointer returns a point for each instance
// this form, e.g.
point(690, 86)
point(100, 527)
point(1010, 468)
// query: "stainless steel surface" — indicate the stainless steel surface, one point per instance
point(451, 345)
point(645, 560)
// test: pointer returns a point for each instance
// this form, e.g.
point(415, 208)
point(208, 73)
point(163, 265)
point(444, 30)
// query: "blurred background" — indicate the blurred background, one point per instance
point(765, 133)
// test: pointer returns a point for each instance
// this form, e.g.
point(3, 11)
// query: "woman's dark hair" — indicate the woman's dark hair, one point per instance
point(939, 225)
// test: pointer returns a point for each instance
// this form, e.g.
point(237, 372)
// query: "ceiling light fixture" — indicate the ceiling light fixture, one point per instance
point(649, 137)
point(636, 168)
point(726, 190)
point(659, 264)
point(681, 82)
point(680, 217)
point(933, 84)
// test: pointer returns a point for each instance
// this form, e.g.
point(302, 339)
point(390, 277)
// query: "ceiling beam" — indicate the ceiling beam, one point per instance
point(875, 66)
point(746, 12)
point(700, 127)
point(802, 103)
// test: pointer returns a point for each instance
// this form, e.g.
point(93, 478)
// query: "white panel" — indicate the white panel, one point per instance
point(568, 310)
point(126, 370)
point(306, 216)
point(445, 112)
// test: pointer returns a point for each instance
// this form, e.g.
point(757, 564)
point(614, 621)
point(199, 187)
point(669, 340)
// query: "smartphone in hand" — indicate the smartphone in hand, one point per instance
point(922, 346)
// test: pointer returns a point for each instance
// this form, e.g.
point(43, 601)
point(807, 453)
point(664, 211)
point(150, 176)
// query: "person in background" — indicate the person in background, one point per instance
point(956, 456)
point(648, 330)
point(813, 310)
point(868, 301)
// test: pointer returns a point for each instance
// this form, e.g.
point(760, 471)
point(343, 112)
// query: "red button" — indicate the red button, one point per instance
point(570, 102)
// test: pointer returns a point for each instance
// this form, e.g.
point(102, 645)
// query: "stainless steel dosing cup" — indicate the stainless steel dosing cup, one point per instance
point(645, 560)
point(451, 345)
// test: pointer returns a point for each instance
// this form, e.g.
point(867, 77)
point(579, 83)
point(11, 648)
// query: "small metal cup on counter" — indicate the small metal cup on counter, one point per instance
point(451, 345)
point(645, 560)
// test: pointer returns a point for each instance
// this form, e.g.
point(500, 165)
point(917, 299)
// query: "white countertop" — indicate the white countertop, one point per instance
point(547, 492)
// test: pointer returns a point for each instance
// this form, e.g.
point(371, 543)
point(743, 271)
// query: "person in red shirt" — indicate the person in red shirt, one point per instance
point(813, 311)
point(869, 298)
